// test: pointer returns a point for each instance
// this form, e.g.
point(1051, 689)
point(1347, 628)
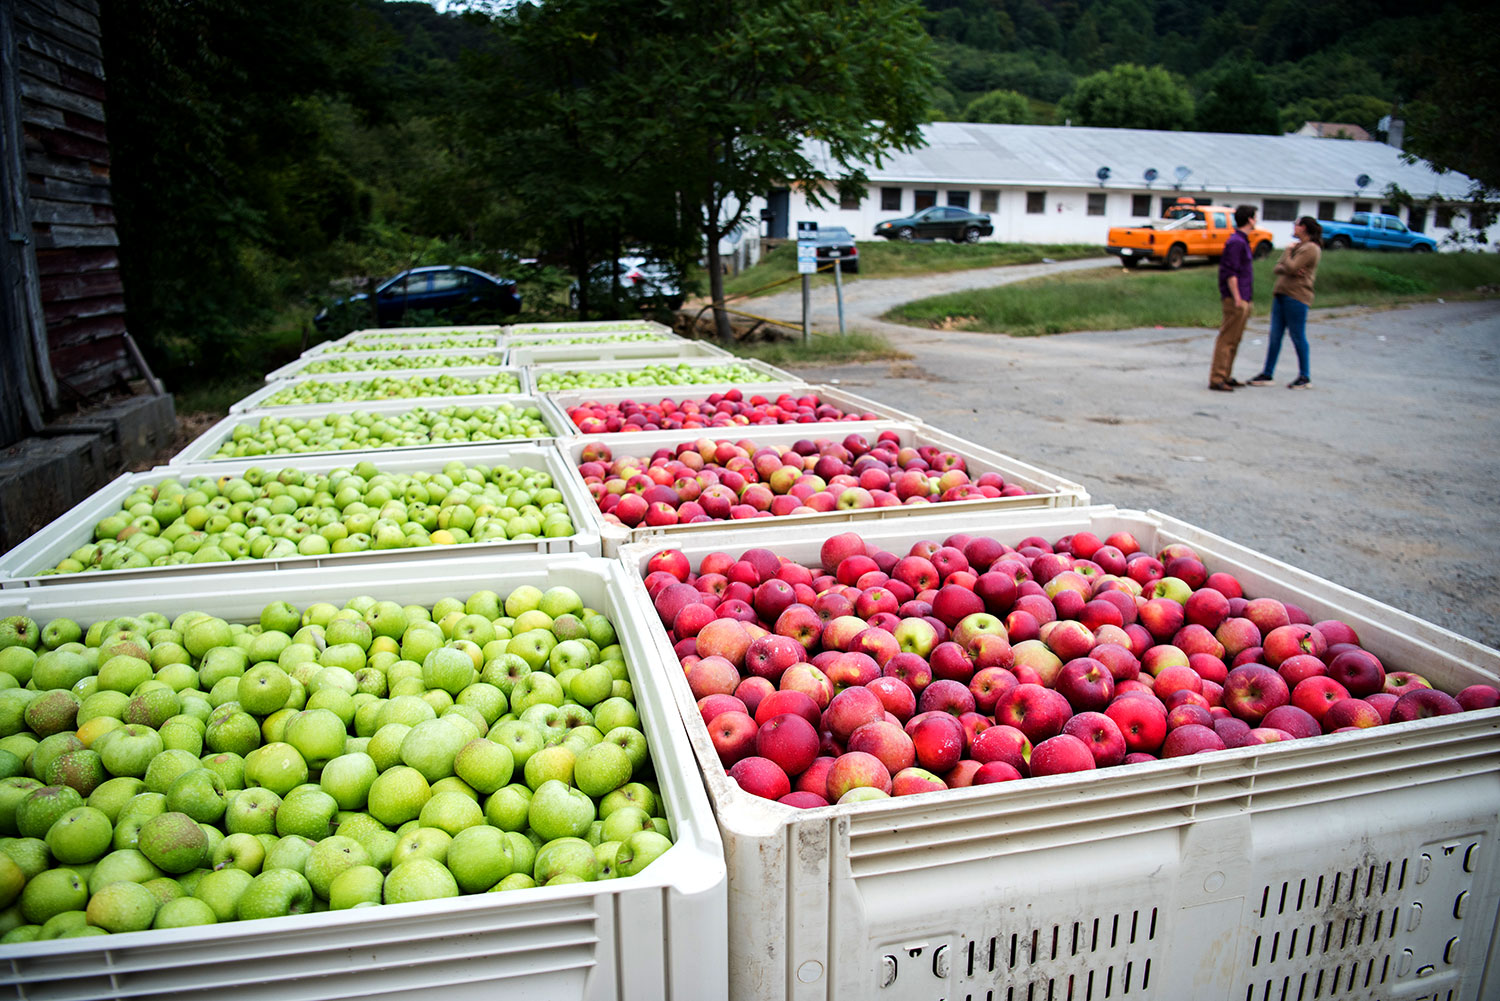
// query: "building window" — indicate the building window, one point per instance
point(1279, 210)
point(924, 200)
point(1480, 217)
point(1327, 210)
point(989, 201)
point(1390, 210)
point(890, 199)
point(1167, 201)
point(1361, 206)
point(1036, 202)
point(1140, 205)
point(1416, 219)
point(1097, 202)
point(848, 200)
point(1442, 216)
point(958, 199)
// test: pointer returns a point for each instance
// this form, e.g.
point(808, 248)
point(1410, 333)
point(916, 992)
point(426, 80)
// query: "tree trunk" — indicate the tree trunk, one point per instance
point(716, 287)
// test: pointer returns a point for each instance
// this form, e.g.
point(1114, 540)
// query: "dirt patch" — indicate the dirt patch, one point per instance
point(189, 427)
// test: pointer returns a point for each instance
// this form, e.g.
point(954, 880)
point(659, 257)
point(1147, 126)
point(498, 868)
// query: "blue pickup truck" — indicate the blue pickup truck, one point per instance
point(1374, 231)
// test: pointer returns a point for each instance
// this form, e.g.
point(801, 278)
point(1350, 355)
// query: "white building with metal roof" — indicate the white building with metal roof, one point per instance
point(1062, 184)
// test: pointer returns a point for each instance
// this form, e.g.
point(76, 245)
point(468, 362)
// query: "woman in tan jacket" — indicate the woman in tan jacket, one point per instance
point(1292, 295)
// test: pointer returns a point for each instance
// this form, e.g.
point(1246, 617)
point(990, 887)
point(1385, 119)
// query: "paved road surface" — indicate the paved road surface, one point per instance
point(1383, 478)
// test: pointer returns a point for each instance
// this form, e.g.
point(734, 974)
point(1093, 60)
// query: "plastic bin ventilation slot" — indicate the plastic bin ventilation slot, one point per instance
point(660, 934)
point(46, 548)
point(1343, 866)
point(1044, 489)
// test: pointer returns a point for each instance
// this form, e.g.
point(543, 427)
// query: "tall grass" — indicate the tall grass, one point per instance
point(1119, 299)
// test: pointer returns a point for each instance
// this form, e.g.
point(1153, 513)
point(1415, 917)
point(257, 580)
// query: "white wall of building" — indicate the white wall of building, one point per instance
point(1065, 215)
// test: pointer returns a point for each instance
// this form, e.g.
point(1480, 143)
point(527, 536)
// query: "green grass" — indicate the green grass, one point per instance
point(823, 349)
point(880, 258)
point(279, 344)
point(1116, 299)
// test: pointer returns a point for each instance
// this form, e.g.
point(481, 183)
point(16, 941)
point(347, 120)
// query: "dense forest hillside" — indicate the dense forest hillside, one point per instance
point(1247, 66)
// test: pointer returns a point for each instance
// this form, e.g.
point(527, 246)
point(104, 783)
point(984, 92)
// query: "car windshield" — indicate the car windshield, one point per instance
point(835, 233)
point(1185, 221)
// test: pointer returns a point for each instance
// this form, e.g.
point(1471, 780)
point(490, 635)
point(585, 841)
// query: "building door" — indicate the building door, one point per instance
point(779, 208)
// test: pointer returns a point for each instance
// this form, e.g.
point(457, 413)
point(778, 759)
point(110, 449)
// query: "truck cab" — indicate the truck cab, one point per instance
point(1374, 231)
point(1187, 229)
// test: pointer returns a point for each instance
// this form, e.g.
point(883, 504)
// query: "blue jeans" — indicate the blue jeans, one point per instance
point(1289, 316)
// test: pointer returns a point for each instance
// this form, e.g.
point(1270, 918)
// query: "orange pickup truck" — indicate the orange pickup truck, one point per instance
point(1189, 228)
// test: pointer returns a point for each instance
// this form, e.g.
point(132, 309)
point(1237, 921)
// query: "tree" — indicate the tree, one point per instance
point(1128, 96)
point(809, 93)
point(1238, 101)
point(1455, 111)
point(999, 107)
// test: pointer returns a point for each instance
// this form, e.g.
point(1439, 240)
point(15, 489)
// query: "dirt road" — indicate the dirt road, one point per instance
point(1382, 478)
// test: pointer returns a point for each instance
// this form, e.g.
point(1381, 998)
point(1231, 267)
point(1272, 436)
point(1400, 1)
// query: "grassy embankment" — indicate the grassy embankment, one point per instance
point(1117, 299)
point(886, 259)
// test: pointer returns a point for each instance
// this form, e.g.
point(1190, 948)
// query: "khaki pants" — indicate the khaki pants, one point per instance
point(1230, 332)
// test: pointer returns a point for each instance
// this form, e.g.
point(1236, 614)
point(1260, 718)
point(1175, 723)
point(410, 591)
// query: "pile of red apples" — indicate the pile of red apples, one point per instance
point(969, 662)
point(717, 410)
point(717, 480)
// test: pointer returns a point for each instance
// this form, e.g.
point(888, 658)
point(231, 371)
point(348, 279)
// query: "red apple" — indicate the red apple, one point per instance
point(1100, 734)
point(761, 777)
point(1424, 703)
point(938, 739)
point(1253, 690)
point(733, 736)
point(851, 709)
point(1359, 671)
point(1036, 711)
point(1142, 722)
point(1191, 739)
point(1060, 755)
point(1316, 694)
point(886, 741)
point(752, 691)
point(857, 770)
point(913, 780)
point(789, 740)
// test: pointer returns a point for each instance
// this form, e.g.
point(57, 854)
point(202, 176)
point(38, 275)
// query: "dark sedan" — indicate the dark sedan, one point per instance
point(836, 244)
point(456, 294)
point(941, 222)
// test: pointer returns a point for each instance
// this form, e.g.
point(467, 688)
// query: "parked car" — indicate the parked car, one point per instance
point(457, 294)
point(1188, 229)
point(938, 222)
point(1374, 231)
point(834, 243)
point(643, 281)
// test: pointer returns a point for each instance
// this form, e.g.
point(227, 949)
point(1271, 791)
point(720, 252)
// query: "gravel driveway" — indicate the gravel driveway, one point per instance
point(1382, 478)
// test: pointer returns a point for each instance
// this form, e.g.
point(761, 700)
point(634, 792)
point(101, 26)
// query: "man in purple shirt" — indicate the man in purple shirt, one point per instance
point(1235, 277)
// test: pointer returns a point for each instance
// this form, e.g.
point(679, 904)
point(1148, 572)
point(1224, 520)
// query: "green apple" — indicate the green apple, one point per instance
point(184, 912)
point(432, 745)
point(263, 689)
point(122, 907)
point(419, 879)
point(565, 859)
point(307, 812)
point(235, 732)
point(331, 857)
point(485, 765)
point(348, 778)
point(240, 851)
point(406, 709)
point(422, 842)
point(275, 893)
point(199, 793)
point(450, 812)
point(557, 810)
point(398, 795)
point(601, 769)
point(550, 764)
point(59, 631)
point(52, 892)
point(173, 842)
point(318, 736)
point(40, 808)
point(479, 857)
point(126, 864)
point(167, 767)
point(80, 836)
point(633, 743)
point(277, 766)
point(631, 794)
point(640, 850)
point(536, 688)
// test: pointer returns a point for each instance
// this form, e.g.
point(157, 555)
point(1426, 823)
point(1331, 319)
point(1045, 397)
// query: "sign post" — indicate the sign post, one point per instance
point(807, 264)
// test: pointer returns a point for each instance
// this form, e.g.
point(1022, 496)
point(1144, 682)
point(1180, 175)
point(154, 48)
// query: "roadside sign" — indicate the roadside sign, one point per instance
point(807, 230)
point(807, 257)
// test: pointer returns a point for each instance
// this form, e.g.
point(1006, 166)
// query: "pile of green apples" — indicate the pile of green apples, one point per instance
point(362, 430)
point(266, 515)
point(333, 366)
point(616, 338)
point(162, 773)
point(391, 388)
point(425, 343)
point(647, 375)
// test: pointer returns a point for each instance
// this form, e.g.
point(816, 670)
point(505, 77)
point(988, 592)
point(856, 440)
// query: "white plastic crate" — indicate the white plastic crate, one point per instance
point(771, 373)
point(557, 404)
point(202, 448)
point(257, 400)
point(533, 331)
point(659, 934)
point(22, 564)
point(298, 369)
point(487, 339)
point(459, 330)
point(1346, 866)
point(1044, 489)
point(560, 354)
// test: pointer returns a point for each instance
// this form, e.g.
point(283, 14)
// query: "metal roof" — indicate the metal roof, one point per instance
point(1063, 156)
